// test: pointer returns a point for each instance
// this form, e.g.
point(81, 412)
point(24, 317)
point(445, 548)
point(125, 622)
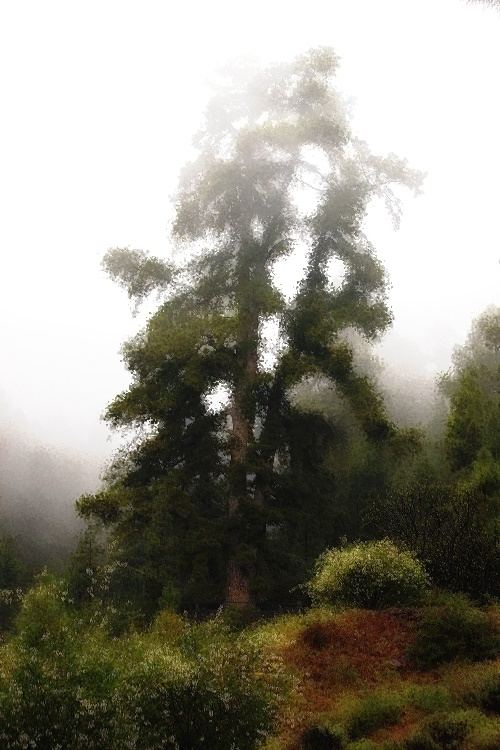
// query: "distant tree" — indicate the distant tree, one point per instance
point(225, 493)
point(473, 389)
point(12, 578)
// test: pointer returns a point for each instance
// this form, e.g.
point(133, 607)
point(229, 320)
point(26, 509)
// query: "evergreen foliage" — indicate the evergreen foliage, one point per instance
point(235, 502)
point(452, 530)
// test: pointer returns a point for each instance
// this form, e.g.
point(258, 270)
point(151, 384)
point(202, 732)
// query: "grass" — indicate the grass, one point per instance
point(359, 687)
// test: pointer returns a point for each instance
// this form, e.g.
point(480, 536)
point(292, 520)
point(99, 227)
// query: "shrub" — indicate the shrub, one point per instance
point(363, 744)
point(442, 732)
point(324, 736)
point(224, 696)
point(429, 698)
point(377, 710)
point(368, 574)
point(483, 690)
point(454, 630)
point(238, 618)
point(169, 626)
point(57, 688)
point(485, 735)
point(65, 684)
point(456, 730)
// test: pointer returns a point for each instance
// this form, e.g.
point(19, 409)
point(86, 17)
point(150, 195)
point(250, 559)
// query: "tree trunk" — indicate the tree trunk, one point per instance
point(242, 410)
point(238, 588)
point(238, 584)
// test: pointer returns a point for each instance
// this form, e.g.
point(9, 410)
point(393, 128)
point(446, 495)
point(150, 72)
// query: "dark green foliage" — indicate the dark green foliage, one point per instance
point(447, 508)
point(83, 567)
point(325, 736)
point(454, 630)
point(446, 731)
point(54, 691)
point(366, 744)
point(429, 698)
point(451, 530)
point(473, 428)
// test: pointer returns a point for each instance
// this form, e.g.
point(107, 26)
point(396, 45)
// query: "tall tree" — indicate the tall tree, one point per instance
point(241, 485)
point(473, 388)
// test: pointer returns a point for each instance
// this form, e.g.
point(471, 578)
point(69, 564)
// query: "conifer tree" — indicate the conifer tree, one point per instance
point(218, 503)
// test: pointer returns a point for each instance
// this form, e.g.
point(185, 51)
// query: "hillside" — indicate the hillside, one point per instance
point(362, 682)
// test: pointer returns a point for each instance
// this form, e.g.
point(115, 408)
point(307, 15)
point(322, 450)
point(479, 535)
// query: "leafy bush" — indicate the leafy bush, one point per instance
point(428, 698)
point(368, 574)
point(454, 630)
point(483, 689)
point(485, 735)
point(363, 744)
point(324, 736)
point(456, 730)
point(442, 732)
point(56, 685)
point(65, 684)
point(377, 710)
point(225, 697)
point(169, 626)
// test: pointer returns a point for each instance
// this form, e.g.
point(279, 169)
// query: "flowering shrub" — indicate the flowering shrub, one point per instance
point(66, 684)
point(223, 697)
point(56, 680)
point(368, 574)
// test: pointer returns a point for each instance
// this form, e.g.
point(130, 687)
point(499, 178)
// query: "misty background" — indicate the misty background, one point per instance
point(99, 104)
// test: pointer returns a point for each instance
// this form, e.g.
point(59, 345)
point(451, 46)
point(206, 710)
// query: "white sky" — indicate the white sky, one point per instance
point(98, 104)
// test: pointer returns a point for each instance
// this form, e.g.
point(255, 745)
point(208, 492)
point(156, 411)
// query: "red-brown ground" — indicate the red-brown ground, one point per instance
point(354, 649)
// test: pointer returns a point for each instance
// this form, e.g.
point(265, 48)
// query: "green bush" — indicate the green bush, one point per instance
point(456, 730)
point(376, 710)
point(452, 531)
point(56, 683)
point(483, 690)
point(368, 574)
point(363, 744)
point(225, 697)
point(454, 630)
point(429, 698)
point(485, 735)
point(65, 684)
point(324, 736)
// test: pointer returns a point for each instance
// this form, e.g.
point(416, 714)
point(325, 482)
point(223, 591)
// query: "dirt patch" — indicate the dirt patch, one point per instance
point(356, 646)
point(336, 657)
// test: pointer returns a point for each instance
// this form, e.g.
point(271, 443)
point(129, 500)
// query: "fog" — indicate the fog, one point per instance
point(99, 104)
